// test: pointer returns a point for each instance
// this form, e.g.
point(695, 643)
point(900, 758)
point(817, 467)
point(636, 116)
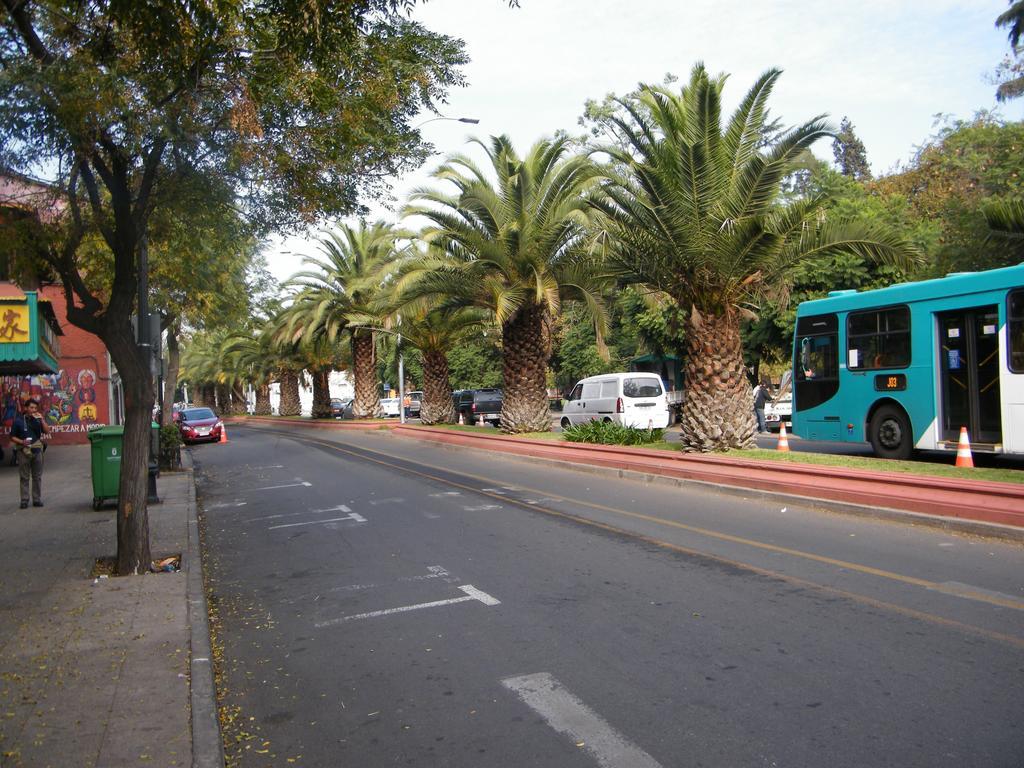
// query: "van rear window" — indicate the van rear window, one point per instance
point(645, 387)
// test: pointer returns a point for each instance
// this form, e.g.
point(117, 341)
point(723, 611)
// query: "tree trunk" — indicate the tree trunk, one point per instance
point(437, 407)
point(367, 401)
point(526, 340)
point(133, 552)
point(239, 402)
point(718, 409)
point(173, 364)
point(322, 394)
point(263, 400)
point(223, 393)
point(290, 403)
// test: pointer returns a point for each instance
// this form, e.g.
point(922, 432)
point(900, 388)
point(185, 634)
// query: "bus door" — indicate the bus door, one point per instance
point(969, 379)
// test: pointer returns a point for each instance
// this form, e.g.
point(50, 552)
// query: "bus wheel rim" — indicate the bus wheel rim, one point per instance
point(890, 433)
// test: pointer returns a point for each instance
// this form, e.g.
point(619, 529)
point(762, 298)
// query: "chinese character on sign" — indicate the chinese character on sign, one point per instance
point(10, 324)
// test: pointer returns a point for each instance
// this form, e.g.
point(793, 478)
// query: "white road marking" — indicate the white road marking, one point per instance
point(227, 504)
point(387, 501)
point(571, 717)
point(445, 493)
point(289, 485)
point(472, 593)
point(434, 572)
point(482, 508)
point(339, 508)
point(496, 491)
point(270, 466)
point(354, 517)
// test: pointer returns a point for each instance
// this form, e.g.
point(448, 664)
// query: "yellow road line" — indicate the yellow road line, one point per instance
point(890, 575)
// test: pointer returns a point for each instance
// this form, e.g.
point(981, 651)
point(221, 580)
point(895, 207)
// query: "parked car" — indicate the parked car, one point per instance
point(199, 425)
point(392, 406)
point(338, 407)
point(633, 399)
point(478, 406)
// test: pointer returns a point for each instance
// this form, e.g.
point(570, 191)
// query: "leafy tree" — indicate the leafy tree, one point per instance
point(849, 152)
point(299, 106)
point(476, 362)
point(512, 247)
point(696, 218)
point(963, 167)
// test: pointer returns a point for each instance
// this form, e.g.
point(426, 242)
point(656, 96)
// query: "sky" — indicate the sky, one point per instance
point(890, 66)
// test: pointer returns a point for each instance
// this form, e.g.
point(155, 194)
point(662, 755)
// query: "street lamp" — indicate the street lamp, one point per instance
point(470, 120)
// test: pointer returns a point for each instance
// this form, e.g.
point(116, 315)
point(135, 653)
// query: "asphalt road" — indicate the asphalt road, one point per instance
point(383, 601)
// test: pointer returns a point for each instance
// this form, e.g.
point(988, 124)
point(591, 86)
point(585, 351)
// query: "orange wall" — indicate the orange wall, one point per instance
point(77, 396)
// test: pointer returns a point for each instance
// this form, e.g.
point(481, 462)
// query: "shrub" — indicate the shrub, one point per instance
point(611, 433)
point(170, 447)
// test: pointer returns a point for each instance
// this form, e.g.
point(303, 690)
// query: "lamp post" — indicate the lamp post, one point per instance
point(470, 120)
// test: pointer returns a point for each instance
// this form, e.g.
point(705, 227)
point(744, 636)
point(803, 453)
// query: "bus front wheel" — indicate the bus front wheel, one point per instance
point(889, 433)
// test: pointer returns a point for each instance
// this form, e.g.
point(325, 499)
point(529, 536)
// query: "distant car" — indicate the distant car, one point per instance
point(478, 406)
point(392, 406)
point(338, 407)
point(199, 425)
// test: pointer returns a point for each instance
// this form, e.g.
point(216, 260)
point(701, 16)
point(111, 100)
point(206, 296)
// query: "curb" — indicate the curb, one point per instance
point(207, 743)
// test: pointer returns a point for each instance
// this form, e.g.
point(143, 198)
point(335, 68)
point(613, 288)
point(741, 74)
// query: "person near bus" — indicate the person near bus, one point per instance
point(761, 397)
point(27, 438)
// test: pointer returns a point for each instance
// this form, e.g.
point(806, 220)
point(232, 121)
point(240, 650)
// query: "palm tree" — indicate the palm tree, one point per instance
point(340, 294)
point(254, 358)
point(1013, 19)
point(434, 332)
point(512, 246)
point(693, 212)
point(1005, 220)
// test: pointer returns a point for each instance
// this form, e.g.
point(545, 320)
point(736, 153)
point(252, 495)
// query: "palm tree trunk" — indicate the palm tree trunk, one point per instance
point(367, 401)
point(239, 402)
point(718, 410)
point(526, 341)
point(290, 404)
point(321, 394)
point(436, 407)
point(262, 400)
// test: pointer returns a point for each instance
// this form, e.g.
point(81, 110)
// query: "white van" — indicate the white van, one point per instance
point(634, 399)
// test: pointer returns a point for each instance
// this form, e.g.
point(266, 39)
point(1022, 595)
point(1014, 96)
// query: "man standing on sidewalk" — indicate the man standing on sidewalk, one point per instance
point(27, 439)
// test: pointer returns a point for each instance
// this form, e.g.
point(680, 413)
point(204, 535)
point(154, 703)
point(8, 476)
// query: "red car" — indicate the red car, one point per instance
point(199, 425)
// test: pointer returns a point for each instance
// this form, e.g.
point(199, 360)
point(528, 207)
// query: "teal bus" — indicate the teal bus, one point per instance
point(905, 367)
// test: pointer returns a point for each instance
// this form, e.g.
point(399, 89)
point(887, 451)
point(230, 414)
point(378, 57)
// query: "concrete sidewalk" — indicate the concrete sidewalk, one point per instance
point(97, 672)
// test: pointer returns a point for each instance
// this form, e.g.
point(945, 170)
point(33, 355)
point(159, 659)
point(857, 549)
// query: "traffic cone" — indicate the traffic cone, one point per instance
point(223, 434)
point(462, 419)
point(963, 450)
point(783, 440)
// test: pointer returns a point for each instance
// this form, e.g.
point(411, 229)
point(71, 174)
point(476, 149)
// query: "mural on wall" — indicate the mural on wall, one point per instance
point(67, 399)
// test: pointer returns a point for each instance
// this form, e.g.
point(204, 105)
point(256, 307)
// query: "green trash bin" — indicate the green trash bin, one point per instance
point(107, 445)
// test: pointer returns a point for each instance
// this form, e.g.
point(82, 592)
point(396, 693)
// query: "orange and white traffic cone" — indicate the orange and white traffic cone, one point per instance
point(963, 450)
point(223, 434)
point(783, 440)
point(462, 419)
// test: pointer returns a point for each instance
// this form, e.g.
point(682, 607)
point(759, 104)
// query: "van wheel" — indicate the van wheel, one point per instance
point(889, 433)
point(607, 420)
point(565, 423)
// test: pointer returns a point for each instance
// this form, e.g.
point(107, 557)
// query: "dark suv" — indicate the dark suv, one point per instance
point(478, 405)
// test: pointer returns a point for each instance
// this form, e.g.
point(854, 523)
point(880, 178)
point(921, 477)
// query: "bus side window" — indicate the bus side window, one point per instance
point(1015, 329)
point(878, 338)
